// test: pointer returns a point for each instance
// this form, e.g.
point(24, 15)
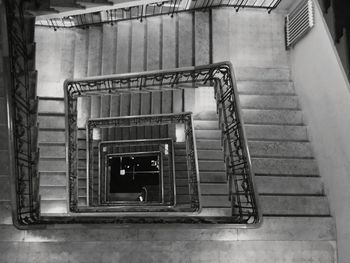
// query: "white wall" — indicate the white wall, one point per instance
point(325, 98)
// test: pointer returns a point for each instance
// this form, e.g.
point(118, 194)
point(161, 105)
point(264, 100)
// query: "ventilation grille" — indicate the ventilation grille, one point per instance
point(299, 22)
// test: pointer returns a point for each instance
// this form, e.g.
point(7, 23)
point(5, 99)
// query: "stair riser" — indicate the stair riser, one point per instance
point(295, 167)
point(280, 149)
point(47, 150)
point(276, 132)
point(263, 132)
point(262, 74)
point(53, 193)
point(269, 185)
point(52, 106)
point(53, 206)
point(269, 102)
point(289, 185)
point(52, 136)
point(279, 205)
point(52, 165)
point(265, 87)
point(51, 122)
point(254, 116)
point(272, 117)
point(53, 179)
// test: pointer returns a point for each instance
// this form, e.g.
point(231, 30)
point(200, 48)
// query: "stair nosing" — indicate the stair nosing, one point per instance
point(272, 95)
point(45, 113)
point(52, 143)
point(268, 108)
point(50, 98)
point(53, 158)
point(253, 156)
point(288, 175)
point(267, 93)
point(299, 124)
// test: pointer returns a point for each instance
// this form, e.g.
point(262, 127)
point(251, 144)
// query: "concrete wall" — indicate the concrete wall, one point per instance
point(324, 93)
point(249, 38)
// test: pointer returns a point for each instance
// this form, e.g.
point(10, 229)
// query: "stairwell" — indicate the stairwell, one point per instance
point(297, 224)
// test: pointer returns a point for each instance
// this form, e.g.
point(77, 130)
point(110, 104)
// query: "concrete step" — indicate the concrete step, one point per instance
point(53, 179)
point(208, 134)
point(258, 116)
point(280, 166)
point(169, 42)
point(292, 228)
point(207, 165)
point(274, 228)
point(135, 104)
point(167, 101)
point(289, 185)
point(53, 206)
point(67, 56)
point(262, 74)
point(210, 155)
point(272, 185)
point(286, 117)
point(178, 101)
point(109, 37)
point(185, 40)
point(202, 38)
point(52, 164)
point(94, 51)
point(95, 107)
point(53, 192)
point(123, 47)
point(138, 45)
point(269, 101)
point(276, 132)
point(214, 189)
point(153, 38)
point(57, 150)
point(279, 205)
point(206, 124)
point(83, 110)
point(212, 177)
point(295, 205)
point(81, 53)
point(280, 149)
point(205, 115)
point(266, 87)
point(191, 249)
point(208, 144)
point(51, 121)
point(51, 136)
point(257, 132)
point(51, 105)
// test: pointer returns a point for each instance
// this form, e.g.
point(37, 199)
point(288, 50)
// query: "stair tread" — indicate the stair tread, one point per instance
point(265, 87)
point(278, 205)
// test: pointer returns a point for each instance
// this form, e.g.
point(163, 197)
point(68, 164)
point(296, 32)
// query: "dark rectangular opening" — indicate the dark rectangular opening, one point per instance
point(135, 178)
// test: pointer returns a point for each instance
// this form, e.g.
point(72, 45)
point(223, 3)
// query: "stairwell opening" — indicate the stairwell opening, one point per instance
point(135, 178)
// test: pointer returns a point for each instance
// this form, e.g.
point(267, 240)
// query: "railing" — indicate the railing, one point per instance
point(242, 193)
point(148, 9)
point(22, 112)
point(184, 119)
point(163, 148)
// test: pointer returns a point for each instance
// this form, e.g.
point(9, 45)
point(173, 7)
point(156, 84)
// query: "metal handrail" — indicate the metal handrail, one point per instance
point(127, 121)
point(22, 111)
point(143, 10)
point(243, 194)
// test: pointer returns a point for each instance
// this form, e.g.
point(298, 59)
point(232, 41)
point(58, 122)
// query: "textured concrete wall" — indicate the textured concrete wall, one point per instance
point(249, 38)
point(325, 98)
